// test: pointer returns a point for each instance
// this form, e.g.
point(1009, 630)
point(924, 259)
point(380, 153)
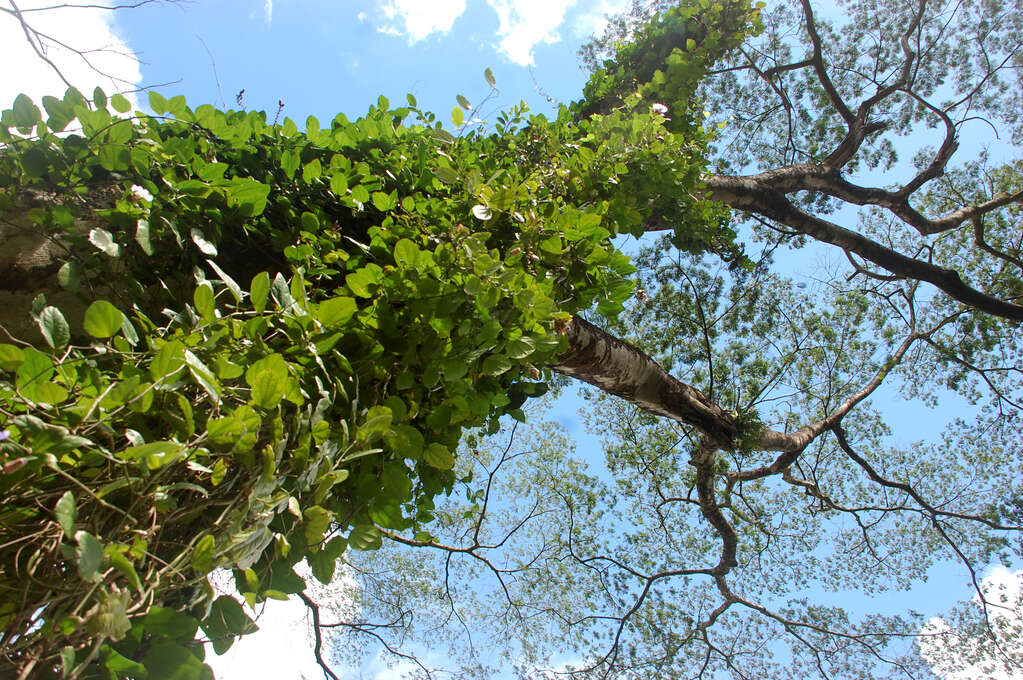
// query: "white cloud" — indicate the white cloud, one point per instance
point(526, 23)
point(955, 655)
point(419, 19)
point(522, 24)
point(593, 20)
point(268, 11)
point(114, 66)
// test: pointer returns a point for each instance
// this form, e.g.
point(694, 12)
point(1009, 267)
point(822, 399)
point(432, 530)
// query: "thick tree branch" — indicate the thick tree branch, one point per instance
point(746, 193)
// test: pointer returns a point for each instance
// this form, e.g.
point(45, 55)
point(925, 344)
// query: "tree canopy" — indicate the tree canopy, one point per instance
point(238, 343)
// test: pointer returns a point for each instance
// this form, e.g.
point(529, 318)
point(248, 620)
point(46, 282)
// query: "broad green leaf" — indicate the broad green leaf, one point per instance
point(336, 311)
point(156, 454)
point(489, 76)
point(226, 621)
point(445, 174)
point(168, 361)
point(457, 117)
point(54, 328)
point(383, 201)
point(173, 661)
point(102, 319)
point(268, 388)
point(10, 357)
point(438, 456)
point(365, 537)
point(495, 364)
point(463, 102)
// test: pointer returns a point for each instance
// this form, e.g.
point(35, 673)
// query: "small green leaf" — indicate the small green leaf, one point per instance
point(102, 239)
point(54, 328)
point(204, 555)
point(70, 275)
point(489, 76)
point(90, 555)
point(157, 454)
point(204, 246)
point(457, 117)
point(120, 103)
point(66, 511)
point(259, 290)
point(232, 285)
point(142, 236)
point(204, 303)
point(102, 319)
point(463, 102)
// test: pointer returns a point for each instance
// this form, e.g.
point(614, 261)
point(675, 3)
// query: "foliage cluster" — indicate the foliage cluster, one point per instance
point(282, 335)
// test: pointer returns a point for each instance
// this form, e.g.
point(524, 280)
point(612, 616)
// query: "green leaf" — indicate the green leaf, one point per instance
point(173, 661)
point(163, 622)
point(365, 537)
point(248, 195)
point(99, 98)
point(142, 236)
point(463, 102)
point(203, 375)
point(54, 328)
point(520, 348)
point(457, 117)
point(438, 456)
point(169, 359)
point(489, 76)
point(446, 174)
point(204, 303)
point(156, 454)
point(26, 114)
point(495, 364)
point(204, 555)
point(336, 311)
point(120, 103)
point(102, 239)
point(232, 285)
point(383, 201)
point(268, 388)
point(259, 290)
point(10, 357)
point(122, 564)
point(225, 622)
point(204, 246)
point(90, 555)
point(102, 319)
point(70, 275)
point(66, 511)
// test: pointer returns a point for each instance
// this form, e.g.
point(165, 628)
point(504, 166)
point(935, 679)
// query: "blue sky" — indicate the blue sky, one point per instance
point(322, 57)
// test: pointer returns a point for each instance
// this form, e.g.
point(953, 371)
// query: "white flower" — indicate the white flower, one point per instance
point(140, 193)
point(660, 109)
